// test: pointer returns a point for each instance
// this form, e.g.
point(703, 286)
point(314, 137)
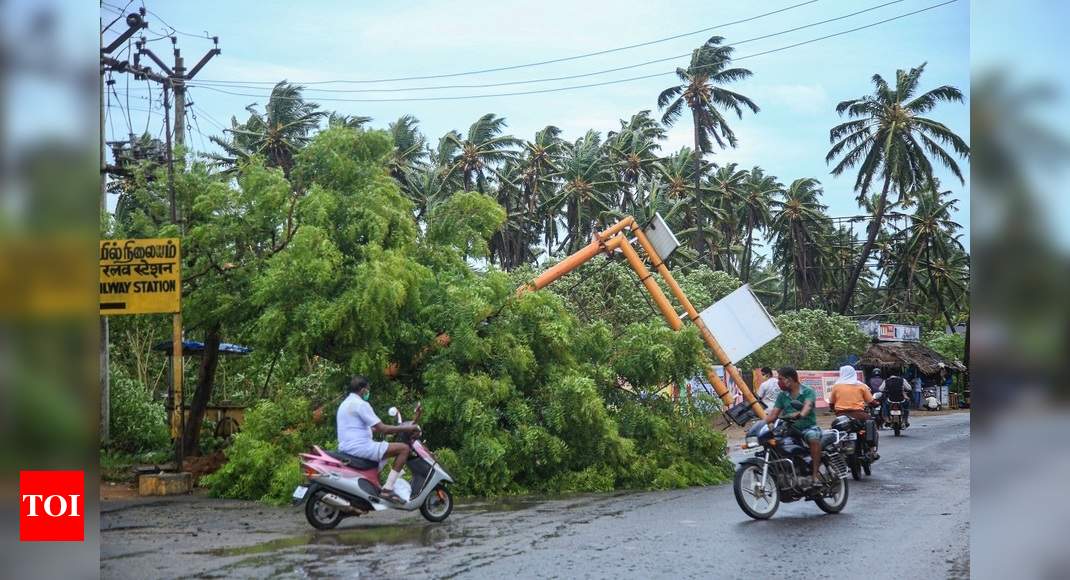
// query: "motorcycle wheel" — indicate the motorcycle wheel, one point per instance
point(836, 503)
point(867, 467)
point(438, 505)
point(759, 508)
point(897, 428)
point(321, 515)
point(856, 468)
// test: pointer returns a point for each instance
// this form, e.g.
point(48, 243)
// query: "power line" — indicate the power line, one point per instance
point(583, 86)
point(251, 84)
point(557, 60)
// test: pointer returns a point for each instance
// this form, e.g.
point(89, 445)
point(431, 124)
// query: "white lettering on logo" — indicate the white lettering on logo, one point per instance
point(49, 505)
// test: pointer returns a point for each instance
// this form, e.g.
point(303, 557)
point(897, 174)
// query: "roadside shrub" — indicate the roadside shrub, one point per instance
point(138, 422)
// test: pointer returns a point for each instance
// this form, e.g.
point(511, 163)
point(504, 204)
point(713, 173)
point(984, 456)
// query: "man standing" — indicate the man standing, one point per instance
point(805, 419)
point(356, 423)
point(769, 390)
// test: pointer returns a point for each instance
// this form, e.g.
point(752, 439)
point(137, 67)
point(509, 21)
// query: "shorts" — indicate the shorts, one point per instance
point(373, 450)
point(811, 433)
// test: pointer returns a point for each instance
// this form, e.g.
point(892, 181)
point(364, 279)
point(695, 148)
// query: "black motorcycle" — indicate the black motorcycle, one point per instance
point(855, 445)
point(895, 416)
point(782, 459)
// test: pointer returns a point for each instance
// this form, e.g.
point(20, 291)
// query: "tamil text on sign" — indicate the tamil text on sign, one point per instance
point(140, 276)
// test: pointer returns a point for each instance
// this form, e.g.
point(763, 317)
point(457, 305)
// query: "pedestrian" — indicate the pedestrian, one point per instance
point(917, 391)
point(769, 390)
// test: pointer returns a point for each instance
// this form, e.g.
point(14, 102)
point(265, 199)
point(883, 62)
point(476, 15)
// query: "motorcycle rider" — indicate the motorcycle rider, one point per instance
point(357, 421)
point(850, 397)
point(876, 381)
point(895, 390)
point(805, 419)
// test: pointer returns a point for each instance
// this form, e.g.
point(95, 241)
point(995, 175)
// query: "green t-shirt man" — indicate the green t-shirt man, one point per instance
point(783, 402)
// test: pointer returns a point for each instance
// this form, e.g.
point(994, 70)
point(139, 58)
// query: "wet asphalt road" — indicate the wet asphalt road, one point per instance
point(917, 503)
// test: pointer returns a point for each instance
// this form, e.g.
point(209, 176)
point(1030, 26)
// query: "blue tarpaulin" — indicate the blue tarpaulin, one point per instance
point(194, 348)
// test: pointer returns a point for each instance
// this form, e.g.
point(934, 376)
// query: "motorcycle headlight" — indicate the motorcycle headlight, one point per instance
point(752, 441)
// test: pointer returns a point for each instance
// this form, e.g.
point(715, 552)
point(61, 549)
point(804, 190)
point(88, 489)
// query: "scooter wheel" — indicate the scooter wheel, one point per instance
point(438, 505)
point(321, 515)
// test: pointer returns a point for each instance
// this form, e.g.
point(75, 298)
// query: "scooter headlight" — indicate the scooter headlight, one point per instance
point(752, 442)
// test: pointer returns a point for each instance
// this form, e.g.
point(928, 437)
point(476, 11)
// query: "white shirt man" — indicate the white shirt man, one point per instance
point(355, 421)
point(769, 390)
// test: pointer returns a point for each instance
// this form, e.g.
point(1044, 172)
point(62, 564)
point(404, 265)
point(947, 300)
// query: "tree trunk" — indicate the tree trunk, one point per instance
point(747, 249)
point(205, 382)
point(700, 238)
point(871, 239)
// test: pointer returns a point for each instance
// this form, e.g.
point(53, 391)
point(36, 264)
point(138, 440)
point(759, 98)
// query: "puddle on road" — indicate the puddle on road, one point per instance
point(421, 535)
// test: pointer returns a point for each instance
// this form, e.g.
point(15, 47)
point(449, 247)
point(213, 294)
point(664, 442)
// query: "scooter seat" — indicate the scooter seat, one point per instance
point(353, 461)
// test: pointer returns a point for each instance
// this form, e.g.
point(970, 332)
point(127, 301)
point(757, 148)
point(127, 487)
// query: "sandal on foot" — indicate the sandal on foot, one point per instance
point(390, 496)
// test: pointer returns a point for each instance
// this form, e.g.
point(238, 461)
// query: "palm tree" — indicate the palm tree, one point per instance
point(929, 230)
point(588, 186)
point(481, 150)
point(284, 127)
point(799, 225)
point(889, 139)
point(410, 148)
point(633, 152)
point(677, 172)
point(728, 184)
point(538, 167)
point(336, 119)
point(758, 192)
point(701, 92)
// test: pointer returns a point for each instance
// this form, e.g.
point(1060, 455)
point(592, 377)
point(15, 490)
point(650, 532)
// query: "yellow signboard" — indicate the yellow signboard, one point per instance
point(140, 276)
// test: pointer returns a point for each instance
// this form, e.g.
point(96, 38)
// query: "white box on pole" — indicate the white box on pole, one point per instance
point(740, 323)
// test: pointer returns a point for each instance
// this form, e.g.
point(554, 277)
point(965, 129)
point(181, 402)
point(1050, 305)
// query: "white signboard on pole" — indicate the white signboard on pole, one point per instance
point(740, 323)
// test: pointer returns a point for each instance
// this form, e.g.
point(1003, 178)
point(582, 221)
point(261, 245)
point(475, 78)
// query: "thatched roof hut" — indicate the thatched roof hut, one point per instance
point(904, 354)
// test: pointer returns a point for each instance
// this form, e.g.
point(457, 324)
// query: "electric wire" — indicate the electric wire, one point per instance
point(563, 59)
point(581, 86)
point(251, 84)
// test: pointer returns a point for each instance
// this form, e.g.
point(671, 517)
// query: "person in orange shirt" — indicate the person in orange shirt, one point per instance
point(850, 396)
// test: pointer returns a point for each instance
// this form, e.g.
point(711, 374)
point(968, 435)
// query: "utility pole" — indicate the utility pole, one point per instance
point(173, 80)
point(134, 22)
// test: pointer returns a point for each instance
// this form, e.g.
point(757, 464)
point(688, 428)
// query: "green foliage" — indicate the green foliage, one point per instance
point(262, 461)
point(138, 423)
point(950, 346)
point(810, 339)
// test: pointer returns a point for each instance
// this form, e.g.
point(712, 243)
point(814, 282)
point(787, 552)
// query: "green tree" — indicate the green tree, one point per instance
point(480, 151)
point(702, 92)
point(758, 192)
point(889, 139)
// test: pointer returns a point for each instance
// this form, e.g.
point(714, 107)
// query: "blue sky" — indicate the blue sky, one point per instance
point(797, 89)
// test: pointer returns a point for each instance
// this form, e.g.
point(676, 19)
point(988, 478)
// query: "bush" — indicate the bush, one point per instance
point(138, 422)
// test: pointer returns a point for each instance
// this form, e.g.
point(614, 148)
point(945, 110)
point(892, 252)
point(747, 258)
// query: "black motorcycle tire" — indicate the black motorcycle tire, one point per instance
point(897, 428)
point(436, 518)
point(315, 520)
point(867, 466)
point(856, 468)
point(737, 489)
point(822, 502)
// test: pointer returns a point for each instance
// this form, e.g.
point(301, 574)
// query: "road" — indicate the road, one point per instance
point(917, 503)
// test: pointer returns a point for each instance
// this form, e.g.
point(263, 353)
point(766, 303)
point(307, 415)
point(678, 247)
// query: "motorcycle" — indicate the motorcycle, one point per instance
point(876, 413)
point(341, 485)
point(774, 473)
point(855, 445)
point(895, 416)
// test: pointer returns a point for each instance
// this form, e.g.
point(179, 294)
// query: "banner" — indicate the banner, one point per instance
point(140, 276)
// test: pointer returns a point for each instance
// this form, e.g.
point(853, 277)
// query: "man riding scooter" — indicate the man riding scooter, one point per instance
point(356, 423)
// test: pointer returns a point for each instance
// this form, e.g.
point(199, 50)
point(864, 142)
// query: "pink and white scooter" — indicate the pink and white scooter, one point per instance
point(341, 485)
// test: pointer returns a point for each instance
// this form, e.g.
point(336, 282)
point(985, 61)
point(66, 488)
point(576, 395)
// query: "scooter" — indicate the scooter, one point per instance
point(341, 485)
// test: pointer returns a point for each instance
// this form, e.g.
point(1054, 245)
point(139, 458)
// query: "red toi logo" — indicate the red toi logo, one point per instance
point(51, 506)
